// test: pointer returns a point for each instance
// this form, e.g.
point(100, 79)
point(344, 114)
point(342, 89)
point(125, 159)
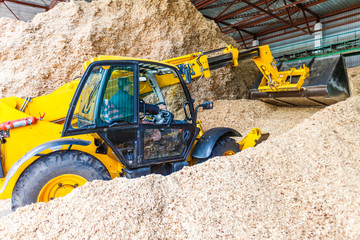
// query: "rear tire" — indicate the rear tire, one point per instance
point(225, 146)
point(44, 178)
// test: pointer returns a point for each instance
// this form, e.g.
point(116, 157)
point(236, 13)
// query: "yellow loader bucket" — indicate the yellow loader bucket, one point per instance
point(326, 84)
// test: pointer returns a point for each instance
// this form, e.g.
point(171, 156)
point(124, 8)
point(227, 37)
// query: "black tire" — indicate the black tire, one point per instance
point(224, 145)
point(50, 166)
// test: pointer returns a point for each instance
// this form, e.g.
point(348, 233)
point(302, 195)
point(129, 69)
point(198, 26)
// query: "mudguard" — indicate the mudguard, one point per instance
point(13, 174)
point(206, 143)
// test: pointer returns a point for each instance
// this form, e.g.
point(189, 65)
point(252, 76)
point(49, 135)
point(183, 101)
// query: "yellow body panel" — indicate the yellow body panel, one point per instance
point(251, 139)
point(24, 139)
point(50, 104)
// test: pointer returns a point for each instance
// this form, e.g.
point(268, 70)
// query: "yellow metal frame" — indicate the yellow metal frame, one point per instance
point(235, 54)
point(60, 186)
point(197, 61)
point(273, 80)
point(251, 139)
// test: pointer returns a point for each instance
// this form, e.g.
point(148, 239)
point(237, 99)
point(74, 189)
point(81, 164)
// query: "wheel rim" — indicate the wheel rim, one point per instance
point(228, 153)
point(60, 186)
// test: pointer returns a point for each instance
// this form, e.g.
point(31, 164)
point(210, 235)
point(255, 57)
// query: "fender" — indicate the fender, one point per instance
point(16, 169)
point(206, 143)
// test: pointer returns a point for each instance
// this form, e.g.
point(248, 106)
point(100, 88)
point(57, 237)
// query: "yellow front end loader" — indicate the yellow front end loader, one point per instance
point(125, 117)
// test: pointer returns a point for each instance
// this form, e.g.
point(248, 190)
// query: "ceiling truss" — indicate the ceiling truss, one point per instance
point(248, 20)
point(28, 4)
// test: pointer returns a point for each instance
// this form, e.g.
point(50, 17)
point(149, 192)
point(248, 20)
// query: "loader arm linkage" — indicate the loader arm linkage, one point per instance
point(200, 64)
point(319, 81)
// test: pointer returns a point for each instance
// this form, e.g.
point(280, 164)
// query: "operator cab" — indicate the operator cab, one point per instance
point(142, 110)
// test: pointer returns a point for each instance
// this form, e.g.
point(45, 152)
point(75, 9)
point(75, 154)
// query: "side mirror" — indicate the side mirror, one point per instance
point(207, 105)
point(204, 105)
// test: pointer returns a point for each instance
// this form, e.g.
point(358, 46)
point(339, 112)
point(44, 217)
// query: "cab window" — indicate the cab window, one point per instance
point(117, 104)
point(107, 97)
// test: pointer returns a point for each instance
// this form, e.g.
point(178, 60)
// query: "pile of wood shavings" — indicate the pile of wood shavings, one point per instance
point(303, 184)
point(39, 56)
point(244, 114)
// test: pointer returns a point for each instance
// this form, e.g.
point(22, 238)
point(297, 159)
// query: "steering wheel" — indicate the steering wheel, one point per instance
point(163, 117)
point(159, 103)
point(142, 106)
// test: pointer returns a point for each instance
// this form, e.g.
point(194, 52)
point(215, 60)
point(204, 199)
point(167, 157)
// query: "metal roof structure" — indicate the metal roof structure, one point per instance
point(277, 20)
point(25, 10)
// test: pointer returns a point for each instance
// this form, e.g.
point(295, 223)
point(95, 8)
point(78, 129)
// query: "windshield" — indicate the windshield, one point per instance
point(88, 97)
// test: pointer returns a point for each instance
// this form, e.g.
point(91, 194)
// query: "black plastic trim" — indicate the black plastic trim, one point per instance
point(135, 173)
point(207, 141)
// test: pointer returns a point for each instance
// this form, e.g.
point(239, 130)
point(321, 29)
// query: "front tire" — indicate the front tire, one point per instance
point(225, 146)
point(55, 175)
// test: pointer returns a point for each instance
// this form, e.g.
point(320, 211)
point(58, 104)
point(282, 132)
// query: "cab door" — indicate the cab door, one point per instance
point(106, 103)
point(165, 138)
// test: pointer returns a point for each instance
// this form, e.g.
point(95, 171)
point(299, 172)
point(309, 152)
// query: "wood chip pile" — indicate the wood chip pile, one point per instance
point(39, 56)
point(302, 184)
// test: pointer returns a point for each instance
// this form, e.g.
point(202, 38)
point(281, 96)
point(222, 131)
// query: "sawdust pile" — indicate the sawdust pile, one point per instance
point(303, 184)
point(39, 56)
point(354, 80)
point(244, 114)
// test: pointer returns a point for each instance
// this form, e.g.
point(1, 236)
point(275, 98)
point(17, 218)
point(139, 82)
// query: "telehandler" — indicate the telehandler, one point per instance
point(125, 117)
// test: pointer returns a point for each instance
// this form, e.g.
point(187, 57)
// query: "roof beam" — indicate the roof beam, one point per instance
point(299, 35)
point(299, 5)
point(268, 18)
point(307, 23)
point(53, 3)
point(256, 16)
point(286, 5)
point(10, 10)
point(288, 13)
point(224, 23)
point(273, 15)
point(258, 20)
point(241, 10)
point(204, 3)
point(261, 33)
point(230, 5)
point(242, 39)
point(216, 5)
point(25, 3)
point(324, 22)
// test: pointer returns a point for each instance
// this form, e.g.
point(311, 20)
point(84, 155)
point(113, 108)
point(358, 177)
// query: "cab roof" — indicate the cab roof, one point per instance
point(119, 58)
